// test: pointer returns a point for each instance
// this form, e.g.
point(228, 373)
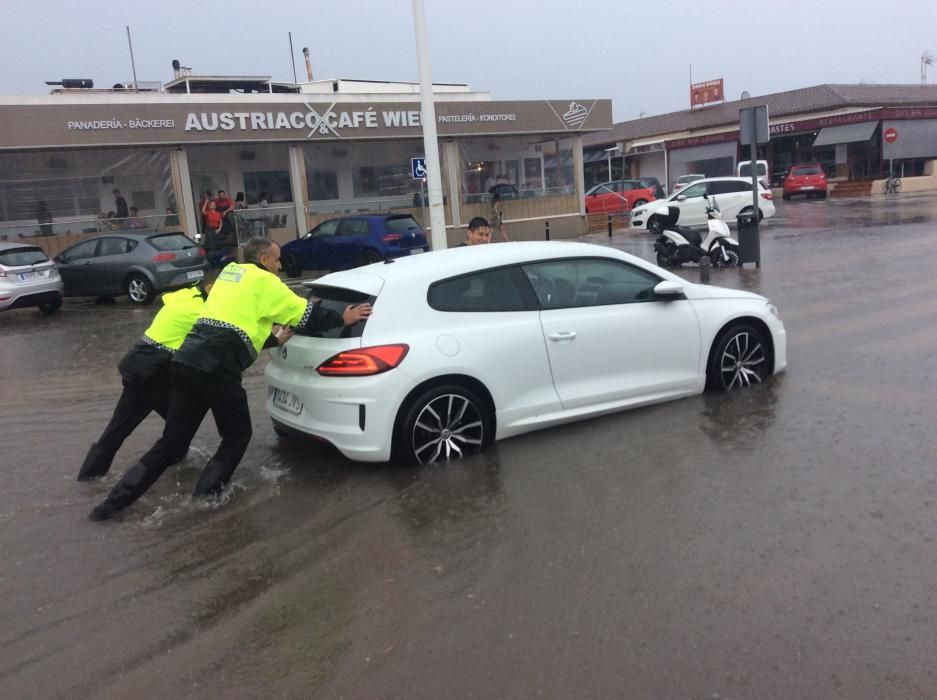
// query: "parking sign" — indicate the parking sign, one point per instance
point(418, 168)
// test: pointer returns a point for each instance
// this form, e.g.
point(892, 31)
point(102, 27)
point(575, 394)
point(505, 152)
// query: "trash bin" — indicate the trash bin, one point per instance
point(749, 242)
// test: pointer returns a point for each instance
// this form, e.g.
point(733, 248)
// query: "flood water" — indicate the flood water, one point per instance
point(776, 543)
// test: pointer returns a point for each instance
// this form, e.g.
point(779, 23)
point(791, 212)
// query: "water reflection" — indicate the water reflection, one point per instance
point(740, 419)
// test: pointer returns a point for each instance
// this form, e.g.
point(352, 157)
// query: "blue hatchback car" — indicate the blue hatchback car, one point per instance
point(350, 241)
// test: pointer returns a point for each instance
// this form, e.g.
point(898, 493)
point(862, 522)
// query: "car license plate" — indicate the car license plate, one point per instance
point(416, 251)
point(195, 274)
point(808, 187)
point(36, 274)
point(288, 402)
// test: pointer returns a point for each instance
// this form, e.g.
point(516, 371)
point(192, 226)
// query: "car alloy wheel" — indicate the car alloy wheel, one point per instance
point(139, 289)
point(445, 422)
point(740, 359)
point(655, 226)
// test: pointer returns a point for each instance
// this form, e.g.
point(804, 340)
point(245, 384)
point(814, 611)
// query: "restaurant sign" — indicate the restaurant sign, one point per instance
point(44, 125)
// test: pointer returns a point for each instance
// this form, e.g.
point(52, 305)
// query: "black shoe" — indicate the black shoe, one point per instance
point(102, 511)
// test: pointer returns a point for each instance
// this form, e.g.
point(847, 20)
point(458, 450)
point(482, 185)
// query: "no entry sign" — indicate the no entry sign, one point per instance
point(890, 135)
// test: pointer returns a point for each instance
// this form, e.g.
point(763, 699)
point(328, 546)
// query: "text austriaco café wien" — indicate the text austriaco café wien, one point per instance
point(299, 157)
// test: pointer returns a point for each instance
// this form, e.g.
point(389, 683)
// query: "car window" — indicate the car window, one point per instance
point(400, 224)
point(808, 170)
point(353, 227)
point(337, 299)
point(589, 282)
point(22, 256)
point(82, 251)
point(697, 190)
point(170, 241)
point(503, 289)
point(113, 246)
point(325, 229)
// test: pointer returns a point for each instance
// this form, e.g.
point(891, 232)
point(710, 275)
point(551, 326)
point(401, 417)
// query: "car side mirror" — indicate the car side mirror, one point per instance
point(668, 291)
point(681, 197)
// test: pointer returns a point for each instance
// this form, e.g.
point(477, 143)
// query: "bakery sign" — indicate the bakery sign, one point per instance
point(176, 122)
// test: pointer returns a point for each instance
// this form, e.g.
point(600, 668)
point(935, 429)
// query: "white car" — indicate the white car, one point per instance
point(480, 343)
point(734, 195)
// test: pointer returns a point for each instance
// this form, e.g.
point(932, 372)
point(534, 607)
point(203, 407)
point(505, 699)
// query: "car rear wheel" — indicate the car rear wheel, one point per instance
point(739, 359)
point(139, 289)
point(291, 265)
point(444, 422)
point(47, 307)
point(370, 256)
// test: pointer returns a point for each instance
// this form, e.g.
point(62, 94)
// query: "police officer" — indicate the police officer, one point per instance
point(145, 373)
point(205, 373)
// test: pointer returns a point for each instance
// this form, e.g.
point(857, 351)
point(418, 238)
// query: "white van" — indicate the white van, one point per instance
point(744, 169)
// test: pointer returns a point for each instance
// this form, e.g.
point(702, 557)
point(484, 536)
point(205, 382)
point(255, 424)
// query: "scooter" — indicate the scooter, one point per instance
point(679, 244)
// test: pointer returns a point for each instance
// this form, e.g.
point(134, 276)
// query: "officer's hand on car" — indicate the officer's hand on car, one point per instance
point(353, 314)
point(282, 334)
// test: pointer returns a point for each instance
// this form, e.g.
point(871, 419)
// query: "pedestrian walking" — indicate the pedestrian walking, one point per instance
point(144, 371)
point(205, 373)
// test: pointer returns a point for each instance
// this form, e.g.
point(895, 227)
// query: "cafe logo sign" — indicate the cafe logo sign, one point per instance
point(575, 115)
point(327, 122)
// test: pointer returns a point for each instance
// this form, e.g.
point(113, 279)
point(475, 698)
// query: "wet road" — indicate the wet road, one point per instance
point(779, 543)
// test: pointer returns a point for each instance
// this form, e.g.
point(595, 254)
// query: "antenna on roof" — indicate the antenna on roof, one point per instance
point(292, 58)
point(133, 66)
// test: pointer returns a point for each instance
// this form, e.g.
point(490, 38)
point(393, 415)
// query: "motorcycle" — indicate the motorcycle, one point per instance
point(679, 244)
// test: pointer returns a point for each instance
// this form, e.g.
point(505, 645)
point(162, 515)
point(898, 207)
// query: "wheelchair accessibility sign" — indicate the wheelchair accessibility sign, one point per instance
point(418, 168)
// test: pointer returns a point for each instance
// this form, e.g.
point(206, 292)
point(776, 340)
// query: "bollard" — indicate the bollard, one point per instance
point(705, 265)
point(609, 225)
point(547, 225)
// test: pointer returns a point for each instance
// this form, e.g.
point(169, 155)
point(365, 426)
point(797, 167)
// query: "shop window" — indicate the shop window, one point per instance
point(74, 197)
point(276, 183)
point(322, 184)
point(382, 181)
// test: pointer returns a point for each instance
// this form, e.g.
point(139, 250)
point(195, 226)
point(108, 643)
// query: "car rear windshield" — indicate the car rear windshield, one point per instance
point(337, 299)
point(170, 241)
point(807, 170)
point(400, 224)
point(22, 256)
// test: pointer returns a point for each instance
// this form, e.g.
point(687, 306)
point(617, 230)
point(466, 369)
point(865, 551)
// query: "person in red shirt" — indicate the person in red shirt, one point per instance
point(213, 223)
point(223, 202)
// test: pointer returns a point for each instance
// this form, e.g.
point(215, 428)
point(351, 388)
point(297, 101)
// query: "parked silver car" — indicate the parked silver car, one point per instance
point(28, 278)
point(140, 264)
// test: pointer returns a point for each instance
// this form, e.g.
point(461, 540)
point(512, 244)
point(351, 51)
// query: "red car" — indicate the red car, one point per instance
point(808, 180)
point(617, 196)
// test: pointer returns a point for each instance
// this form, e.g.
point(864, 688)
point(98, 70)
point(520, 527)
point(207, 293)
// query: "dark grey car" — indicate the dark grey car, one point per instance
point(140, 264)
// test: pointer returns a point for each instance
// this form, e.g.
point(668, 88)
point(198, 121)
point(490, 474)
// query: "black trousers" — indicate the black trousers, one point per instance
point(136, 402)
point(192, 394)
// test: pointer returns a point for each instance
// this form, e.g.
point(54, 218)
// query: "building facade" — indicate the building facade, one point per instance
point(298, 154)
point(842, 127)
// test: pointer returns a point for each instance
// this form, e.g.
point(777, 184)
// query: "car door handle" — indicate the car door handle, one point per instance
point(562, 335)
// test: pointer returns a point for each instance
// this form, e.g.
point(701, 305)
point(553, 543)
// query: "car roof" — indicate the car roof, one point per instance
point(385, 215)
point(442, 264)
point(13, 245)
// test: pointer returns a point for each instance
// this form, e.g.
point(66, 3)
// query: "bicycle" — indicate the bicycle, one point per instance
point(892, 184)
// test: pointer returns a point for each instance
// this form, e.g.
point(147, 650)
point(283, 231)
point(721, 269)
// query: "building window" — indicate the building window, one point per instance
point(322, 184)
point(276, 183)
point(382, 181)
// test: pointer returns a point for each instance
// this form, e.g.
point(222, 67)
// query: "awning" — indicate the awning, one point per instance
point(849, 133)
point(596, 156)
point(915, 139)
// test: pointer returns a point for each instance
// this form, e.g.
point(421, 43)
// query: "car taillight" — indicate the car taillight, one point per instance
point(391, 237)
point(767, 195)
point(201, 252)
point(164, 257)
point(364, 362)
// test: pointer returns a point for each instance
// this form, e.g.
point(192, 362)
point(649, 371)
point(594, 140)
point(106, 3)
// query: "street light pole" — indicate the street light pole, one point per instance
point(437, 212)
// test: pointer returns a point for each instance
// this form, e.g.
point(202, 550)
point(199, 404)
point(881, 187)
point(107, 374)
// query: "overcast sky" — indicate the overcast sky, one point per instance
point(636, 53)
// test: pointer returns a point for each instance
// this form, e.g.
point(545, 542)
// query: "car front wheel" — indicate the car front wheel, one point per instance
point(54, 304)
point(655, 225)
point(291, 265)
point(740, 359)
point(139, 289)
point(444, 422)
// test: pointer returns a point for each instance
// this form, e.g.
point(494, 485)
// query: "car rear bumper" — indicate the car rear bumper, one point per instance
point(25, 295)
point(179, 277)
point(355, 414)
